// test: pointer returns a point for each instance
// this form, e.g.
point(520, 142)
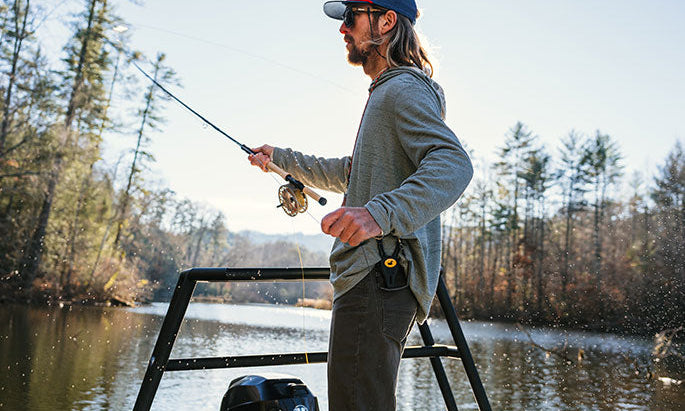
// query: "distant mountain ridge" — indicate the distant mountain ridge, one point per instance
point(312, 242)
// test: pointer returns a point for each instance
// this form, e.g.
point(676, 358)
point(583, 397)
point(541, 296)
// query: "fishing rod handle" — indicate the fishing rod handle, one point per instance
point(311, 193)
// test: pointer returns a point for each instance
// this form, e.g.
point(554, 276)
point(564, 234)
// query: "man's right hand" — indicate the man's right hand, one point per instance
point(352, 225)
point(262, 156)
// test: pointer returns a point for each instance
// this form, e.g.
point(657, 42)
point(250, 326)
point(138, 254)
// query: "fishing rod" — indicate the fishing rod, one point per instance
point(291, 195)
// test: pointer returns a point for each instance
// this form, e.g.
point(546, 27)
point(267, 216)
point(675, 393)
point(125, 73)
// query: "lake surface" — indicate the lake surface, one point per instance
point(89, 358)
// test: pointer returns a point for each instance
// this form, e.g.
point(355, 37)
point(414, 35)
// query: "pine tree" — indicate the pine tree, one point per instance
point(602, 158)
point(19, 34)
point(149, 121)
point(516, 148)
point(28, 110)
point(668, 285)
point(89, 191)
point(537, 177)
point(573, 177)
point(86, 62)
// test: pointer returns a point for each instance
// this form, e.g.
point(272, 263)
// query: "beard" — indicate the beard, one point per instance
point(355, 55)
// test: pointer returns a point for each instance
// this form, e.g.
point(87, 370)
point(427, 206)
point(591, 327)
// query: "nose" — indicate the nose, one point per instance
point(344, 29)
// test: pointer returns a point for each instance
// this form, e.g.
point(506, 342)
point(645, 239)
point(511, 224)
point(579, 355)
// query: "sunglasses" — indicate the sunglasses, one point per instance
point(351, 12)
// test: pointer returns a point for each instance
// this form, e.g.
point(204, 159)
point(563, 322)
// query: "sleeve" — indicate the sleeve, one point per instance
point(325, 173)
point(443, 171)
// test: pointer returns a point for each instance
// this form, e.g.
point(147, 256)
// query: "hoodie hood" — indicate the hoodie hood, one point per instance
point(418, 74)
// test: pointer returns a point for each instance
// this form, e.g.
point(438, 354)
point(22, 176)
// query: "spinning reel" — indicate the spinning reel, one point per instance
point(292, 199)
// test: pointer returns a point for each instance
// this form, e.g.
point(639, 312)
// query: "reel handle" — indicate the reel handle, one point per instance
point(311, 193)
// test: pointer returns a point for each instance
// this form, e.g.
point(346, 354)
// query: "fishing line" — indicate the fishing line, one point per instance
point(304, 329)
point(247, 53)
point(313, 218)
point(291, 195)
point(48, 14)
point(209, 123)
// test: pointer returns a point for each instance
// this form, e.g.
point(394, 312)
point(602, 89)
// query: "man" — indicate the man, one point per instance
point(406, 168)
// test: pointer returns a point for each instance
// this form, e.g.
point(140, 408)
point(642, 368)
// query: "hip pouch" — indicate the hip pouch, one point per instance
point(391, 271)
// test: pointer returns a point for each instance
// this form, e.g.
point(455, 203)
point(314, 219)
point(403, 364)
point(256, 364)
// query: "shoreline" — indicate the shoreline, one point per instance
point(324, 304)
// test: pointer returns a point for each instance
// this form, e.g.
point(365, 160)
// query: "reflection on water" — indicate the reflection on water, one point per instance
point(86, 358)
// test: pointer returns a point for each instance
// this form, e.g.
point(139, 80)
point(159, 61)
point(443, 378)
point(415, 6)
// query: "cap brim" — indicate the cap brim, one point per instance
point(334, 9)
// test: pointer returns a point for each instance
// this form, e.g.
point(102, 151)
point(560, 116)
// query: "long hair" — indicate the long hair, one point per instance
point(404, 47)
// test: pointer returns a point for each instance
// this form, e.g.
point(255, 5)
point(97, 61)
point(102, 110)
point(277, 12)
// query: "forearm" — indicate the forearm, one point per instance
point(434, 187)
point(325, 173)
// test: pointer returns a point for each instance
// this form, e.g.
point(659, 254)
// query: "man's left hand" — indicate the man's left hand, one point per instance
point(352, 225)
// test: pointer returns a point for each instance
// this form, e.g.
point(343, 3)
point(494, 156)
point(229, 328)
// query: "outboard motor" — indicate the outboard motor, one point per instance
point(268, 392)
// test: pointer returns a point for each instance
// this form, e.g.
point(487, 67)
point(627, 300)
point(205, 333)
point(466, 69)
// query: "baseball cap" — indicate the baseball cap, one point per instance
point(407, 8)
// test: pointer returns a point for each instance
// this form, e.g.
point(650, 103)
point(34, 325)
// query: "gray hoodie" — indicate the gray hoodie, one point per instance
point(407, 168)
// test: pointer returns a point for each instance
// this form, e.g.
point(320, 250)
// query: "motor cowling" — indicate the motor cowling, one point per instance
point(268, 392)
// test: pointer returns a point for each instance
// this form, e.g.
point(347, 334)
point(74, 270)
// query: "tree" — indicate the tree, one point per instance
point(602, 158)
point(19, 33)
point(28, 110)
point(536, 177)
point(516, 148)
point(669, 196)
point(88, 191)
point(668, 285)
point(483, 193)
point(86, 61)
point(573, 176)
point(149, 120)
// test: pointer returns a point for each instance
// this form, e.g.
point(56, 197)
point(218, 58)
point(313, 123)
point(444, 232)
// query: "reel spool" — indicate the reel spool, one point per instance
point(292, 200)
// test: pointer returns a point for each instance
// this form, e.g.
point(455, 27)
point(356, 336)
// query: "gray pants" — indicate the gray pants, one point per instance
point(369, 328)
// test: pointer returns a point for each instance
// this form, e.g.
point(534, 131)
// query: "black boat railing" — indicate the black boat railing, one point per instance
point(160, 363)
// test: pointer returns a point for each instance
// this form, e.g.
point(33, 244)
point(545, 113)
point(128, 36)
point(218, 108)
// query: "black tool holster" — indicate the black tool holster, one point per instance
point(392, 272)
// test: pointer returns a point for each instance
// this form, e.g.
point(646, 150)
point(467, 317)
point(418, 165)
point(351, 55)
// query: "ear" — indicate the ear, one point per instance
point(387, 22)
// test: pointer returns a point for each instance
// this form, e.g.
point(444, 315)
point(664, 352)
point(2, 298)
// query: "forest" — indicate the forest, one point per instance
point(565, 238)
point(558, 236)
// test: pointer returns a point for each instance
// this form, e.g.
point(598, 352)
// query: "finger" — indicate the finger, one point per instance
point(329, 219)
point(337, 228)
point(266, 149)
point(262, 161)
point(253, 160)
point(326, 223)
point(257, 161)
point(259, 149)
point(358, 237)
point(345, 226)
point(348, 234)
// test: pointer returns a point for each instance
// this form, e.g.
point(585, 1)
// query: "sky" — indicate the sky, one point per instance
point(275, 72)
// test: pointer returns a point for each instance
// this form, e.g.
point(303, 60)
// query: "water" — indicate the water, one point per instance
point(88, 358)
